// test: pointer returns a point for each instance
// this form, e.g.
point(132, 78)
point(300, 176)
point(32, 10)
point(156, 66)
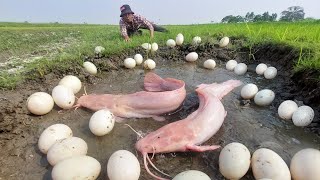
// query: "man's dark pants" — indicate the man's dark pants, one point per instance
point(139, 32)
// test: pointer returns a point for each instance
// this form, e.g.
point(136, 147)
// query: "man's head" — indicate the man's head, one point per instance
point(126, 13)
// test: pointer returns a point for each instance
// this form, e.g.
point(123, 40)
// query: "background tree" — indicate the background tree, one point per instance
point(232, 19)
point(293, 13)
point(249, 16)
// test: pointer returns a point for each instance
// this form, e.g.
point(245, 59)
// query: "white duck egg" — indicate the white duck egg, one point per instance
point(249, 91)
point(266, 163)
point(261, 68)
point(196, 40)
point(154, 47)
point(72, 82)
point(303, 116)
point(63, 96)
point(99, 49)
point(179, 39)
point(40, 103)
point(149, 64)
point(129, 63)
point(101, 122)
point(53, 134)
point(286, 109)
point(191, 57)
point(209, 64)
point(270, 73)
point(305, 164)
point(77, 167)
point(138, 58)
point(224, 42)
point(146, 46)
point(191, 175)
point(171, 43)
point(234, 160)
point(90, 67)
point(231, 64)
point(66, 148)
point(240, 69)
point(122, 164)
point(264, 97)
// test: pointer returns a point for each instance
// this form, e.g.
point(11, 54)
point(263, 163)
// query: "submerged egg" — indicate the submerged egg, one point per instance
point(129, 63)
point(209, 64)
point(303, 116)
point(231, 64)
point(224, 42)
point(191, 57)
point(264, 97)
point(240, 69)
point(261, 68)
point(286, 109)
point(249, 91)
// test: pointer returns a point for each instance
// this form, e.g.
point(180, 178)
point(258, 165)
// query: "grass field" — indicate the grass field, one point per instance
point(28, 47)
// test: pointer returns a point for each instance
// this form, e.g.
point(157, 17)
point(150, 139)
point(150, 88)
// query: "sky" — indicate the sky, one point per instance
point(160, 12)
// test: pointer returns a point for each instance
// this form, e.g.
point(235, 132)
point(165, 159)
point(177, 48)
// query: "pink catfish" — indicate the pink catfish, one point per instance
point(161, 96)
point(189, 133)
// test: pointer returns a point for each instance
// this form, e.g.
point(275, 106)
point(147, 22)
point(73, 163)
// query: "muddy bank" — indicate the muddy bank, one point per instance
point(20, 130)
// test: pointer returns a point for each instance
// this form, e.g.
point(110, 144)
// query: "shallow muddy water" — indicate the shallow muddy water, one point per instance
point(250, 125)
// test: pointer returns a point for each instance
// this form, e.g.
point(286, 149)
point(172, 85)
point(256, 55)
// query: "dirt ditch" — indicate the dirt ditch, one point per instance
point(251, 125)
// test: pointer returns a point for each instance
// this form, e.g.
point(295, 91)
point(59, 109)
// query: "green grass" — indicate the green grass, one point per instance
point(63, 45)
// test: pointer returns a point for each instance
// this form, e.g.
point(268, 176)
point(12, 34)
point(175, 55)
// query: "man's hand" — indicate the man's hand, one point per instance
point(127, 39)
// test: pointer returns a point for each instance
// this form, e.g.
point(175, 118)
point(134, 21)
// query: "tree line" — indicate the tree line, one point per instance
point(293, 13)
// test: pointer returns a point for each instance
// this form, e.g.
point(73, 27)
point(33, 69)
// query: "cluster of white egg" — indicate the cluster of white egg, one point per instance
point(267, 72)
point(150, 47)
point(261, 98)
point(67, 154)
point(41, 103)
point(235, 160)
point(301, 116)
point(238, 68)
point(137, 60)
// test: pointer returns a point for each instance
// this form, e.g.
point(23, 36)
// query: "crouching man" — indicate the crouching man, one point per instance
point(130, 24)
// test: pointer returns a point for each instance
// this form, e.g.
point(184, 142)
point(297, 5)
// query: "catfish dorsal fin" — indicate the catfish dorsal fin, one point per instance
point(152, 82)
